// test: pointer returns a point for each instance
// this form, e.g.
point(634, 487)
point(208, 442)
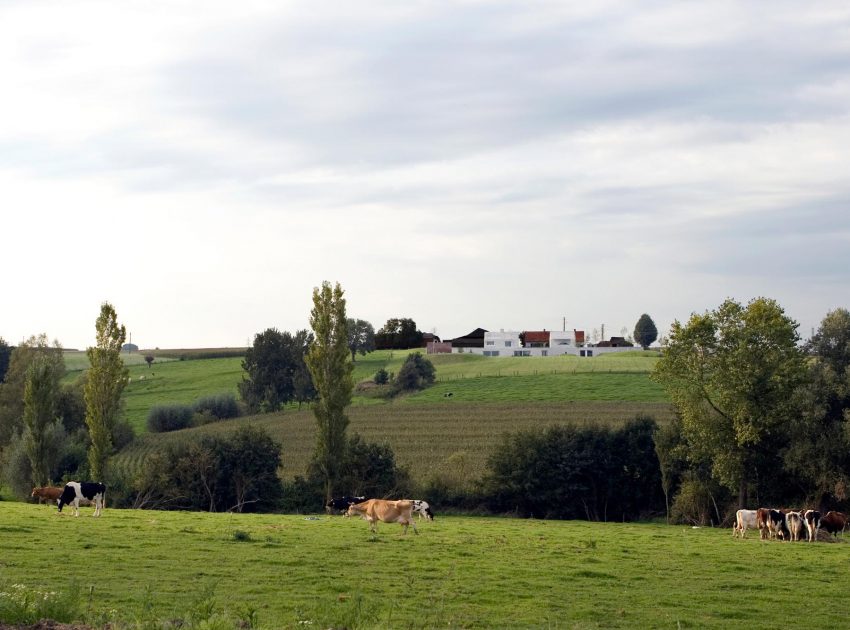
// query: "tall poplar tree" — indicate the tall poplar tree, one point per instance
point(41, 423)
point(329, 362)
point(107, 378)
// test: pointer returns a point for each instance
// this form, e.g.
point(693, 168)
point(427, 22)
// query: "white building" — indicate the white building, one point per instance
point(545, 343)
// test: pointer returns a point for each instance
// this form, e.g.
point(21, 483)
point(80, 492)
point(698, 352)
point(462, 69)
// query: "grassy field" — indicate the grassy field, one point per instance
point(76, 360)
point(459, 572)
point(468, 378)
point(450, 436)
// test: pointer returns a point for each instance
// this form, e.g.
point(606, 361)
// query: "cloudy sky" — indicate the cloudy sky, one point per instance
point(203, 165)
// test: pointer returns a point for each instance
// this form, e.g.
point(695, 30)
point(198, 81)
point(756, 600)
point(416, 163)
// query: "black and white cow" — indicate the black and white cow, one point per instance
point(342, 503)
point(423, 509)
point(76, 491)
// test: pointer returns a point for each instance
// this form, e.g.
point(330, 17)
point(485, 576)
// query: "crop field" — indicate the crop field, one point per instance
point(453, 437)
point(273, 571)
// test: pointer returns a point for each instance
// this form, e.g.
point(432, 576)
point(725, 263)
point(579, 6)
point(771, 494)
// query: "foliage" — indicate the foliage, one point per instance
point(645, 331)
point(671, 451)
point(695, 502)
point(106, 380)
point(399, 334)
point(162, 418)
point(330, 367)
point(17, 469)
point(381, 377)
point(41, 424)
point(5, 355)
point(221, 406)
point(361, 337)
point(234, 472)
point(571, 472)
point(370, 469)
point(12, 389)
point(20, 605)
point(71, 404)
point(273, 364)
point(729, 373)
point(416, 373)
point(819, 452)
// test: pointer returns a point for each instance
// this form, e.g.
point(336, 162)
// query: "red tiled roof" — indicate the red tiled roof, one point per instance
point(536, 336)
point(579, 336)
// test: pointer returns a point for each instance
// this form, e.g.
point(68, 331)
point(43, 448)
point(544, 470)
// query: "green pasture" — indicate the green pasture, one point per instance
point(451, 436)
point(459, 572)
point(77, 361)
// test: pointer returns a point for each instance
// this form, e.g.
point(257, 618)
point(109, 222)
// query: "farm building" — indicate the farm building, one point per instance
point(532, 343)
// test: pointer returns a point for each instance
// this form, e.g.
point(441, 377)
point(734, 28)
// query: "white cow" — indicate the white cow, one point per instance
point(744, 520)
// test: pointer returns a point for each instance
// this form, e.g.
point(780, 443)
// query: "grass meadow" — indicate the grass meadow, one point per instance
point(460, 572)
point(450, 436)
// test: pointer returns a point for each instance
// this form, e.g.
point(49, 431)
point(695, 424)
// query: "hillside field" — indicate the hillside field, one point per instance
point(469, 572)
point(469, 378)
point(450, 436)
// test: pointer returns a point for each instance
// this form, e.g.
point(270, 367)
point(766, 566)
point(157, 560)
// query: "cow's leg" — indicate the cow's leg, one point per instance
point(415, 531)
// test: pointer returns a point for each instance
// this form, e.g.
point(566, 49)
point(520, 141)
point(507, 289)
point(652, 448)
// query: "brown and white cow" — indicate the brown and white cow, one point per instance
point(47, 493)
point(796, 523)
point(375, 510)
point(812, 518)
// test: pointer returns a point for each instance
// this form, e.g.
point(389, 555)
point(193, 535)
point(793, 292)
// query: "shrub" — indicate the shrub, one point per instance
point(381, 377)
point(163, 418)
point(218, 406)
point(417, 372)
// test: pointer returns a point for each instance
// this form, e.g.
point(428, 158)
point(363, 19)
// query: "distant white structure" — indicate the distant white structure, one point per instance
point(543, 343)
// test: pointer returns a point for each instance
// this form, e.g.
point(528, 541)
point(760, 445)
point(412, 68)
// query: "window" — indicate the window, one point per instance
point(507, 344)
point(545, 353)
point(522, 353)
point(491, 353)
point(490, 343)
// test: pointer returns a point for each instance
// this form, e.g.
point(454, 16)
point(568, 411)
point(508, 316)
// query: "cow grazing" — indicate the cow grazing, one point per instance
point(423, 509)
point(796, 523)
point(762, 518)
point(812, 518)
point(833, 522)
point(76, 491)
point(776, 525)
point(375, 510)
point(342, 503)
point(47, 493)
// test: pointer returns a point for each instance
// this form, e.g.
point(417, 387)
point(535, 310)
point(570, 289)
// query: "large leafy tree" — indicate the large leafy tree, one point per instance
point(42, 427)
point(645, 331)
point(820, 446)
point(276, 370)
point(729, 372)
point(361, 337)
point(398, 333)
point(330, 366)
point(107, 378)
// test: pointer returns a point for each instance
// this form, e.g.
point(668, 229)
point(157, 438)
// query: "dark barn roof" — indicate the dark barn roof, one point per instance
point(475, 339)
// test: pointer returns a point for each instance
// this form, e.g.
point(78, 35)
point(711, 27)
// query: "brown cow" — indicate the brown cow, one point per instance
point(762, 518)
point(375, 510)
point(47, 493)
point(833, 522)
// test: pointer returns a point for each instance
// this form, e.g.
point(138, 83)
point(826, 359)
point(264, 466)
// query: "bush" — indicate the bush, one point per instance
point(416, 373)
point(163, 418)
point(382, 377)
point(592, 473)
point(218, 406)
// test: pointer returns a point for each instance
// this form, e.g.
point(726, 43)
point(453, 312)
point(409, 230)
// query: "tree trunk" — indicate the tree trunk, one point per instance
point(742, 494)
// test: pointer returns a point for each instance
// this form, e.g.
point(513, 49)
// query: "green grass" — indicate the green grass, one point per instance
point(451, 436)
point(77, 361)
point(177, 382)
point(459, 572)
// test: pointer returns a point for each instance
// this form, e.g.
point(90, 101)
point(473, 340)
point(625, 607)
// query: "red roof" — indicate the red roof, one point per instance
point(536, 336)
point(579, 335)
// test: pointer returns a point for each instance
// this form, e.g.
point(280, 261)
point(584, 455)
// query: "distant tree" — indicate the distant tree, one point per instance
point(819, 452)
point(303, 389)
point(381, 377)
point(5, 355)
point(398, 333)
point(330, 367)
point(41, 424)
point(645, 331)
point(12, 388)
point(273, 365)
point(361, 337)
point(417, 372)
point(107, 378)
point(149, 359)
point(729, 372)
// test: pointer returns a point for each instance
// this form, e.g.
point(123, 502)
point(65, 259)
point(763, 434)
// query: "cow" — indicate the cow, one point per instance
point(375, 510)
point(833, 522)
point(342, 503)
point(776, 525)
point(423, 509)
point(76, 491)
point(762, 522)
point(812, 518)
point(744, 519)
point(795, 522)
point(47, 493)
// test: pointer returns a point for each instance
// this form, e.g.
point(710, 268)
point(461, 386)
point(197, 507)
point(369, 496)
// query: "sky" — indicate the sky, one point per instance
point(202, 166)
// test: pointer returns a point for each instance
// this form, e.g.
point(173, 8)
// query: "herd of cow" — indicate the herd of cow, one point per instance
point(791, 525)
point(374, 510)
